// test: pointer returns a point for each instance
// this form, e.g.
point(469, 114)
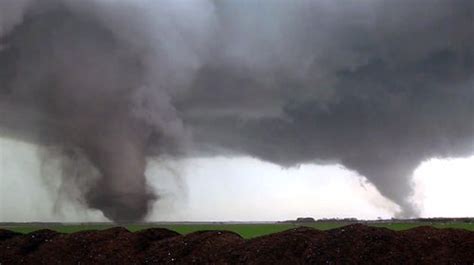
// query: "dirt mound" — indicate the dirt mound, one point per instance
point(156, 234)
point(19, 249)
point(7, 234)
point(110, 246)
point(354, 244)
point(433, 245)
point(198, 248)
point(288, 247)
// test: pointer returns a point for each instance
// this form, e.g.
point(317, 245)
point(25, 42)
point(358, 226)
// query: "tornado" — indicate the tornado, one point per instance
point(378, 86)
point(70, 85)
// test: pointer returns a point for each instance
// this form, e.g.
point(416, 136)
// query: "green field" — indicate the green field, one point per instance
point(245, 230)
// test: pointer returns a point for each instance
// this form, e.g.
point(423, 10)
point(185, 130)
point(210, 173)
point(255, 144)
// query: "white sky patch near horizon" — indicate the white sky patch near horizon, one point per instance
point(26, 196)
point(237, 189)
point(444, 187)
point(247, 189)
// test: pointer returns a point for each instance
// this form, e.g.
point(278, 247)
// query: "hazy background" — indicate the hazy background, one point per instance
point(200, 109)
point(238, 189)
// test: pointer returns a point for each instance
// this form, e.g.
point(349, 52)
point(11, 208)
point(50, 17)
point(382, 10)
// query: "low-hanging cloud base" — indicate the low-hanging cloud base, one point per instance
point(377, 86)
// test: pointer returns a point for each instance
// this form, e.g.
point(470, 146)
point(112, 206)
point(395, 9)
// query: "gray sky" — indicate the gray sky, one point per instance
point(121, 87)
point(239, 189)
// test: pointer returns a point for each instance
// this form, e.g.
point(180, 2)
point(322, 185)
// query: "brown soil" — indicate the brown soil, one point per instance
point(353, 244)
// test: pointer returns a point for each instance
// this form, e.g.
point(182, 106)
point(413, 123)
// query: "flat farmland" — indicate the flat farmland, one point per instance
point(246, 230)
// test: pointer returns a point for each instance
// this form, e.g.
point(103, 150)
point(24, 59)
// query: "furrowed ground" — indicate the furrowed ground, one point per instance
point(350, 244)
point(245, 230)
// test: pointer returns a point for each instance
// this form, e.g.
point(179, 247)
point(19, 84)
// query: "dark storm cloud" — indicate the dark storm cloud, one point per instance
point(75, 74)
point(377, 86)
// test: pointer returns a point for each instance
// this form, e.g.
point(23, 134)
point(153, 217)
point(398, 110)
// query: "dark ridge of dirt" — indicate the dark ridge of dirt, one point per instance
point(288, 247)
point(196, 248)
point(156, 234)
point(149, 236)
point(110, 246)
point(7, 234)
point(17, 250)
point(449, 246)
point(356, 244)
point(96, 247)
point(353, 244)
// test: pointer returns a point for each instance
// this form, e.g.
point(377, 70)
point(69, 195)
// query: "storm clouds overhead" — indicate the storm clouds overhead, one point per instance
point(378, 86)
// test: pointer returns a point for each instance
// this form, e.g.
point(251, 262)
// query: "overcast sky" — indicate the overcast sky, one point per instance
point(228, 110)
point(238, 189)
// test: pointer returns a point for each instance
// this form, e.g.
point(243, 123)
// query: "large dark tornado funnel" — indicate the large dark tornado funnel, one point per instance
point(74, 81)
point(118, 152)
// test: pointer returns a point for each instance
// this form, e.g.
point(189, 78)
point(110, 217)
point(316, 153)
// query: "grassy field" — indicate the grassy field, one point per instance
point(245, 230)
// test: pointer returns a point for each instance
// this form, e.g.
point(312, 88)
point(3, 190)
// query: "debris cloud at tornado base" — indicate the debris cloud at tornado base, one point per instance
point(377, 86)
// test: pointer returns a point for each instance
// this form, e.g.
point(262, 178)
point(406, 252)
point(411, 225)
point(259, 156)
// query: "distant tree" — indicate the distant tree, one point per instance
point(305, 220)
